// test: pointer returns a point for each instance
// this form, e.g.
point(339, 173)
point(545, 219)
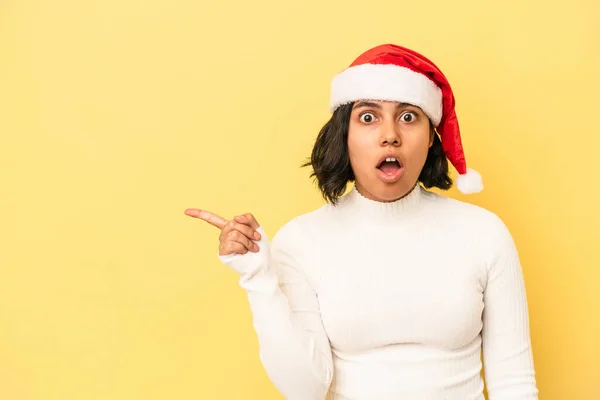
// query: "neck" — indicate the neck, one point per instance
point(364, 193)
point(358, 204)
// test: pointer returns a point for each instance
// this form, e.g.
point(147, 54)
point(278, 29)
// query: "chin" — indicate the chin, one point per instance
point(387, 192)
point(395, 191)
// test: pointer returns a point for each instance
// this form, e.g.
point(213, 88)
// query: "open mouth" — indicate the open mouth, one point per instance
point(390, 169)
point(389, 166)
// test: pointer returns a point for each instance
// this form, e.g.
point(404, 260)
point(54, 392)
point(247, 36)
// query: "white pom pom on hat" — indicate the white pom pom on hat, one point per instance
point(395, 73)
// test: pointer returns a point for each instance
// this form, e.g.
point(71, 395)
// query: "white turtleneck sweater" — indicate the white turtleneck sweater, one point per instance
point(391, 301)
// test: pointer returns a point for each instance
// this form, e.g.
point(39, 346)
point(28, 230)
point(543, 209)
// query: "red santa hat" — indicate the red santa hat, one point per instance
point(394, 73)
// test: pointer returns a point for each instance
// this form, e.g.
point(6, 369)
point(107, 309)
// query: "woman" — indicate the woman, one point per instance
point(388, 291)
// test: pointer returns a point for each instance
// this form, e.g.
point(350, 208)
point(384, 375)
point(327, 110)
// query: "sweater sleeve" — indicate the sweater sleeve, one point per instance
point(294, 348)
point(507, 353)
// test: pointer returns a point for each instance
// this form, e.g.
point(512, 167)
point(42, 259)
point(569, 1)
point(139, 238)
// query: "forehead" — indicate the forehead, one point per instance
point(382, 104)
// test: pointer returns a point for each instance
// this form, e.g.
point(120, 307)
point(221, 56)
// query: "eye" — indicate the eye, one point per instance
point(367, 117)
point(408, 116)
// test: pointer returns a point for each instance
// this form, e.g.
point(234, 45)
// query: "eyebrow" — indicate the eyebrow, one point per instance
point(376, 105)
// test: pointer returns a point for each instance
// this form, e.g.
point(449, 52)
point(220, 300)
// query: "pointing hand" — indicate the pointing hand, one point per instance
point(236, 236)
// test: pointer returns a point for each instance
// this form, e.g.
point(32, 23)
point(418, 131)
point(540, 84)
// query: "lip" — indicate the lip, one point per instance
point(390, 178)
point(382, 159)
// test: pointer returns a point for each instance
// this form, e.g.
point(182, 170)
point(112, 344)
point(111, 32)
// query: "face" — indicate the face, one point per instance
point(381, 130)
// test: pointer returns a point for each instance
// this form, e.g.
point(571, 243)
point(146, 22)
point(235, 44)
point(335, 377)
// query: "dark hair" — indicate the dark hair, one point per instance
point(331, 162)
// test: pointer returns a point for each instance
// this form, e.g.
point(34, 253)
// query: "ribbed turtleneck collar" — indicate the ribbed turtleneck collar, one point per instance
point(355, 201)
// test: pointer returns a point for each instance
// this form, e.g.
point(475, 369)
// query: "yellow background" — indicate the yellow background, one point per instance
point(117, 115)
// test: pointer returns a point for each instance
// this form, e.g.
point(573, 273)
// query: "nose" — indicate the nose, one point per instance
point(390, 134)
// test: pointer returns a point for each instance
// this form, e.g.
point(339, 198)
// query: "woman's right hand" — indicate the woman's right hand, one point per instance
point(237, 235)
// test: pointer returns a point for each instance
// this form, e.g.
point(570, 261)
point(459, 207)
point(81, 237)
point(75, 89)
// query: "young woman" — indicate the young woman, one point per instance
point(388, 291)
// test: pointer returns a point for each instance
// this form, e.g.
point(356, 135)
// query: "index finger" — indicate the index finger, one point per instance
point(209, 217)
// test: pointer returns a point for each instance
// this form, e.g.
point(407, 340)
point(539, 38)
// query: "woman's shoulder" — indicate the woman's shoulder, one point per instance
point(303, 229)
point(485, 231)
point(295, 225)
point(465, 214)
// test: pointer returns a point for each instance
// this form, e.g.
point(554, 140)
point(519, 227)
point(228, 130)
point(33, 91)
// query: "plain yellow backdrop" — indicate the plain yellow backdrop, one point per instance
point(117, 115)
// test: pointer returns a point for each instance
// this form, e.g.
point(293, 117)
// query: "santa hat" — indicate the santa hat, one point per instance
point(394, 73)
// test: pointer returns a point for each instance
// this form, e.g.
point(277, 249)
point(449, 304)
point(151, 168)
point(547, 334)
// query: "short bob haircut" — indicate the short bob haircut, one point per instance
point(331, 162)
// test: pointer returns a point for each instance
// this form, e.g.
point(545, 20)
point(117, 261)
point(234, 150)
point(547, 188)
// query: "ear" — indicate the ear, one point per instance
point(431, 136)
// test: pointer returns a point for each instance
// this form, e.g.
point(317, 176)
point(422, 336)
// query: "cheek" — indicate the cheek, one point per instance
point(359, 146)
point(419, 142)
point(420, 154)
point(416, 148)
